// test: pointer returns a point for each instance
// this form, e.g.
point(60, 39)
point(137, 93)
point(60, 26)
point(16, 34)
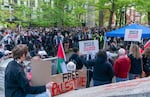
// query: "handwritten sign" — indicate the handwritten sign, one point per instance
point(88, 47)
point(70, 82)
point(61, 83)
point(133, 35)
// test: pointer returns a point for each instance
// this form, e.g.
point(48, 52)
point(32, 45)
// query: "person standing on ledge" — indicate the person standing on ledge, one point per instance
point(16, 82)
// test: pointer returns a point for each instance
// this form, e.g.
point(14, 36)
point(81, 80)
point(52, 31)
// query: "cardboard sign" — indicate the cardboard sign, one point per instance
point(89, 46)
point(68, 81)
point(41, 72)
point(133, 35)
point(61, 83)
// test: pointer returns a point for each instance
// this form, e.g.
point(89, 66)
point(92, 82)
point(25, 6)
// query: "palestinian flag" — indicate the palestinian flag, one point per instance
point(147, 45)
point(61, 66)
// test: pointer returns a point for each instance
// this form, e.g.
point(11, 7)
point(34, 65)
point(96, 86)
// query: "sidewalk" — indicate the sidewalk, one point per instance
point(2, 93)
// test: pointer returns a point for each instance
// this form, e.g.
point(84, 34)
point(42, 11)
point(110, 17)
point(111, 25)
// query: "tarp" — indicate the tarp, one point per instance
point(121, 31)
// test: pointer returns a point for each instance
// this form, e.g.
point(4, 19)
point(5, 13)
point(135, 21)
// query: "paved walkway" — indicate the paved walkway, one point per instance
point(2, 93)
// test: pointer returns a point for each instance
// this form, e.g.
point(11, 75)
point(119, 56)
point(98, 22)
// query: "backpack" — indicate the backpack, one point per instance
point(146, 66)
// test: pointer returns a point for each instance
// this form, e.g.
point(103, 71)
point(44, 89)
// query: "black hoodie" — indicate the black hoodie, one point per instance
point(102, 71)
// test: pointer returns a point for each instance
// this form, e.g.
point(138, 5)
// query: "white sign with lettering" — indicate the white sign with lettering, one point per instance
point(133, 35)
point(89, 46)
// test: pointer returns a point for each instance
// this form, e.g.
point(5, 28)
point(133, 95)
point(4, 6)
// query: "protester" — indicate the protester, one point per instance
point(75, 57)
point(1, 51)
point(113, 46)
point(7, 54)
point(110, 58)
point(71, 66)
point(122, 66)
point(102, 70)
point(16, 82)
point(75, 40)
point(146, 61)
point(136, 62)
point(89, 69)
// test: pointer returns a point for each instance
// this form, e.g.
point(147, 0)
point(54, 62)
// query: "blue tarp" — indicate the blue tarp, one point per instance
point(121, 31)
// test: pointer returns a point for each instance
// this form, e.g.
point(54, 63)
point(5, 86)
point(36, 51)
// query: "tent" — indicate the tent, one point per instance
point(121, 31)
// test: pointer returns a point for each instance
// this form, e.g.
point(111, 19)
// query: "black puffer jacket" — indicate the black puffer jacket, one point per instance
point(77, 60)
point(102, 71)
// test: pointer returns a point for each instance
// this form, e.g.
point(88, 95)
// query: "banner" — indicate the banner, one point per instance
point(61, 83)
point(133, 35)
point(89, 46)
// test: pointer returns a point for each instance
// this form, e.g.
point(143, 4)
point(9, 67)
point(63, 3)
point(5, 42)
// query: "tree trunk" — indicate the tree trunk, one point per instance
point(50, 2)
point(111, 15)
point(90, 16)
point(120, 20)
point(101, 18)
point(125, 15)
point(148, 18)
point(117, 18)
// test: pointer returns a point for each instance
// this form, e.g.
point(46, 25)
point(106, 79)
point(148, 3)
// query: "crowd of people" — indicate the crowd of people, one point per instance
point(47, 39)
point(129, 63)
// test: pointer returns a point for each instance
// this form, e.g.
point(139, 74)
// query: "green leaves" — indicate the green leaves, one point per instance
point(68, 12)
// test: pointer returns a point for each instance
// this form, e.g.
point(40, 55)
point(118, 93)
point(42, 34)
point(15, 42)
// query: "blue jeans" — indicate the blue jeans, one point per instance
point(134, 76)
point(98, 83)
point(45, 94)
point(118, 79)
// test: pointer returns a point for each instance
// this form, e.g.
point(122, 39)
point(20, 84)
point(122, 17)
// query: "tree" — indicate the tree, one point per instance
point(143, 7)
point(73, 12)
point(4, 12)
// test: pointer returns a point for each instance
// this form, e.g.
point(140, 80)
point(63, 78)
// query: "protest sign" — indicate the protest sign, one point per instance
point(89, 46)
point(133, 35)
point(61, 83)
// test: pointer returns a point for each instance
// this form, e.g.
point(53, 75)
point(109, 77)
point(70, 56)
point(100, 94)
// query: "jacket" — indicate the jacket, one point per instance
point(122, 67)
point(102, 70)
point(77, 60)
point(16, 83)
point(136, 65)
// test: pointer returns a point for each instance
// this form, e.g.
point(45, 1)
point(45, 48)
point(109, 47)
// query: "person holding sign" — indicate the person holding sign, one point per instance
point(16, 82)
point(75, 57)
point(102, 70)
